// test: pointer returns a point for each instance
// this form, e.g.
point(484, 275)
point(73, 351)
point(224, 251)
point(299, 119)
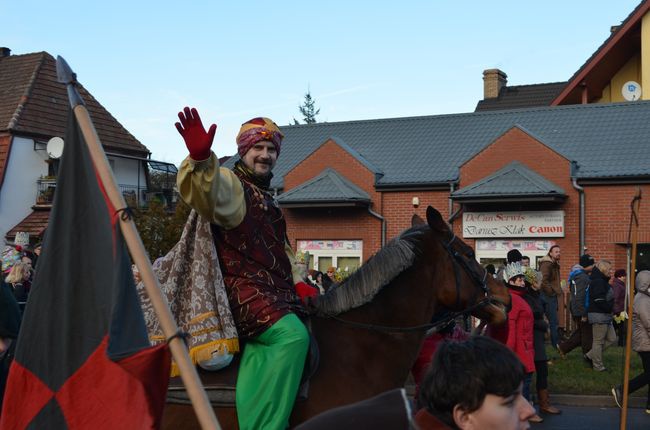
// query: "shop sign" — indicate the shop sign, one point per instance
point(330, 245)
point(513, 224)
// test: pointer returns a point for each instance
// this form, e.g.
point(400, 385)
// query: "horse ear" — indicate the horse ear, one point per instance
point(416, 220)
point(435, 221)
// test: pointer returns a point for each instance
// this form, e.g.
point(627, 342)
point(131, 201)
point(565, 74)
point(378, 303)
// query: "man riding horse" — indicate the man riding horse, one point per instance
point(249, 233)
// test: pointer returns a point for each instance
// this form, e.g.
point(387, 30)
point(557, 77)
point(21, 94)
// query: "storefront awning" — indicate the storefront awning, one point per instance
point(515, 182)
point(327, 189)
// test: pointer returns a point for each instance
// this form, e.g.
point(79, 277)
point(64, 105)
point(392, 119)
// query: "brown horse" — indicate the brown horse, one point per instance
point(370, 327)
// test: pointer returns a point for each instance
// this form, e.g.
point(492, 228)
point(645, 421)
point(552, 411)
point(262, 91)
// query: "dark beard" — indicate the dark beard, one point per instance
point(262, 181)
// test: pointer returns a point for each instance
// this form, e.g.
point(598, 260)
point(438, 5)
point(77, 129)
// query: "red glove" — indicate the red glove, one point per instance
point(198, 142)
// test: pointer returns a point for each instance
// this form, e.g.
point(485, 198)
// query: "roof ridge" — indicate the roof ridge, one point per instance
point(24, 99)
point(474, 113)
point(514, 167)
point(531, 176)
point(536, 85)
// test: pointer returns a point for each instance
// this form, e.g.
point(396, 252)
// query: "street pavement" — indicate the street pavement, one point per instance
point(593, 418)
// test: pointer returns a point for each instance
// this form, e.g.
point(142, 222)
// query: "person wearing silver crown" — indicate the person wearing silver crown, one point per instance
point(520, 322)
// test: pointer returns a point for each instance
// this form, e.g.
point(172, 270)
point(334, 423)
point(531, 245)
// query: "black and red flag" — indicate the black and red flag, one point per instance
point(83, 358)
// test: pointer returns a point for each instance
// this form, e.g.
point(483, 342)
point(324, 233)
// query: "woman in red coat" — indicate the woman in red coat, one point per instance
point(520, 323)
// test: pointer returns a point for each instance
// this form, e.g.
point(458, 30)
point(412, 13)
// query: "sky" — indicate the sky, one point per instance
point(145, 60)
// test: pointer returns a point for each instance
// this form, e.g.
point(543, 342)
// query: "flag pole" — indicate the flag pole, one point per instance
point(189, 375)
point(633, 233)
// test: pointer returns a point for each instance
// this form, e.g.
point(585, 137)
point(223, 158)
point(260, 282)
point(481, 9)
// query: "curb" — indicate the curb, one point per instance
point(594, 401)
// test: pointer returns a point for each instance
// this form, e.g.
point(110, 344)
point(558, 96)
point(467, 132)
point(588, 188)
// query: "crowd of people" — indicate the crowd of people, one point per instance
point(597, 296)
point(18, 264)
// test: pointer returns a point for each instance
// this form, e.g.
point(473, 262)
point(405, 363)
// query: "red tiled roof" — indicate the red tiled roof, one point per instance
point(34, 224)
point(5, 146)
point(34, 103)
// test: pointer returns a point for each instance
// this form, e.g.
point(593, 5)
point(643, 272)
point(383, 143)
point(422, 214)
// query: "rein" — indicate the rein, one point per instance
point(457, 261)
point(430, 327)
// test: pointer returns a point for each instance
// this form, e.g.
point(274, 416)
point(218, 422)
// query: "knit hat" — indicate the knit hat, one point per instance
point(586, 260)
point(256, 130)
point(514, 255)
point(620, 273)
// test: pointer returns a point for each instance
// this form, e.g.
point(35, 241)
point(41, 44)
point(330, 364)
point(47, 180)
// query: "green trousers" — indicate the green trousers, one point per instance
point(269, 375)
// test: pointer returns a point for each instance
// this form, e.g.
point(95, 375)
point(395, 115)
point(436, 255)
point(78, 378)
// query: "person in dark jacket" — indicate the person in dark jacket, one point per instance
point(549, 265)
point(10, 317)
point(599, 313)
point(540, 326)
point(618, 285)
point(578, 282)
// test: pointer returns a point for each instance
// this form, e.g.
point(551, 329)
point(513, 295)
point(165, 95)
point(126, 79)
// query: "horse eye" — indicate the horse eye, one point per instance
point(470, 254)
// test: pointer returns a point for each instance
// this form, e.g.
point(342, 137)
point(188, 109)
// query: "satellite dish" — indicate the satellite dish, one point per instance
point(55, 147)
point(631, 91)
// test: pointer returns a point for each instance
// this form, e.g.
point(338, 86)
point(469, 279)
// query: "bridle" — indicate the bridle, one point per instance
point(458, 262)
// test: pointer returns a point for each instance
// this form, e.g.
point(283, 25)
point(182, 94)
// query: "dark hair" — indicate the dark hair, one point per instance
point(525, 257)
point(551, 249)
point(513, 256)
point(491, 269)
point(463, 373)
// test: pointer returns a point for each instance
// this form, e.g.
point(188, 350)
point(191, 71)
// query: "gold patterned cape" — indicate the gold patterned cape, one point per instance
point(190, 278)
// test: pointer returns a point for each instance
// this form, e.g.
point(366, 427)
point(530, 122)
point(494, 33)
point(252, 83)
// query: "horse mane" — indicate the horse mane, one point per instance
point(380, 269)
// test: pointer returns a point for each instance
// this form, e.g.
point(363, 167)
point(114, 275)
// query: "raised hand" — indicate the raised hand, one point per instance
point(197, 140)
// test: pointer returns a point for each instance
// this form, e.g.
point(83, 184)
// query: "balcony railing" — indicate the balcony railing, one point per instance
point(133, 195)
point(45, 188)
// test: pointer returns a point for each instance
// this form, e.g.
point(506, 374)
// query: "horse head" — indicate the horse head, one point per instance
point(472, 288)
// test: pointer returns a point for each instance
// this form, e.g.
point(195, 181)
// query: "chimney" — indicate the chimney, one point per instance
point(493, 81)
point(4, 52)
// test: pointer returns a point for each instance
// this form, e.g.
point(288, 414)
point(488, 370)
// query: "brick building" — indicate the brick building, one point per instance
point(347, 187)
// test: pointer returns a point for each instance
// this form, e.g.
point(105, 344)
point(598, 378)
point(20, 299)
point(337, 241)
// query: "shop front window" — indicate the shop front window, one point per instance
point(340, 254)
point(324, 263)
point(349, 264)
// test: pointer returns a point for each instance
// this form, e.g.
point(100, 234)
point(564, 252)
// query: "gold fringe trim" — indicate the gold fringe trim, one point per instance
point(204, 352)
point(202, 317)
point(162, 338)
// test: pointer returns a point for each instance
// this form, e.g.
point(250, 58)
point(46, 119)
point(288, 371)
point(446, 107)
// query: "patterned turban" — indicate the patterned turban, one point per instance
point(256, 130)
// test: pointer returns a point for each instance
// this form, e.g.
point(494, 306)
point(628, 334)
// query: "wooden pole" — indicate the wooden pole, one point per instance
point(204, 412)
point(634, 229)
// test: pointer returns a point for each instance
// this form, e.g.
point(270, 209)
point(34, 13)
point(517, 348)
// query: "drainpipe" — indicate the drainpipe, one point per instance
point(383, 225)
point(581, 191)
point(452, 188)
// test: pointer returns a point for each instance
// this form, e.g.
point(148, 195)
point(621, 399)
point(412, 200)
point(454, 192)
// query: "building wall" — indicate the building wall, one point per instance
point(608, 219)
point(517, 145)
point(126, 171)
point(325, 223)
point(18, 193)
point(331, 155)
point(334, 224)
point(645, 56)
point(631, 71)
point(399, 210)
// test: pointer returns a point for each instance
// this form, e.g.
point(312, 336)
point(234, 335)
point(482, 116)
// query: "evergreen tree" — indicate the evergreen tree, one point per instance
point(308, 109)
